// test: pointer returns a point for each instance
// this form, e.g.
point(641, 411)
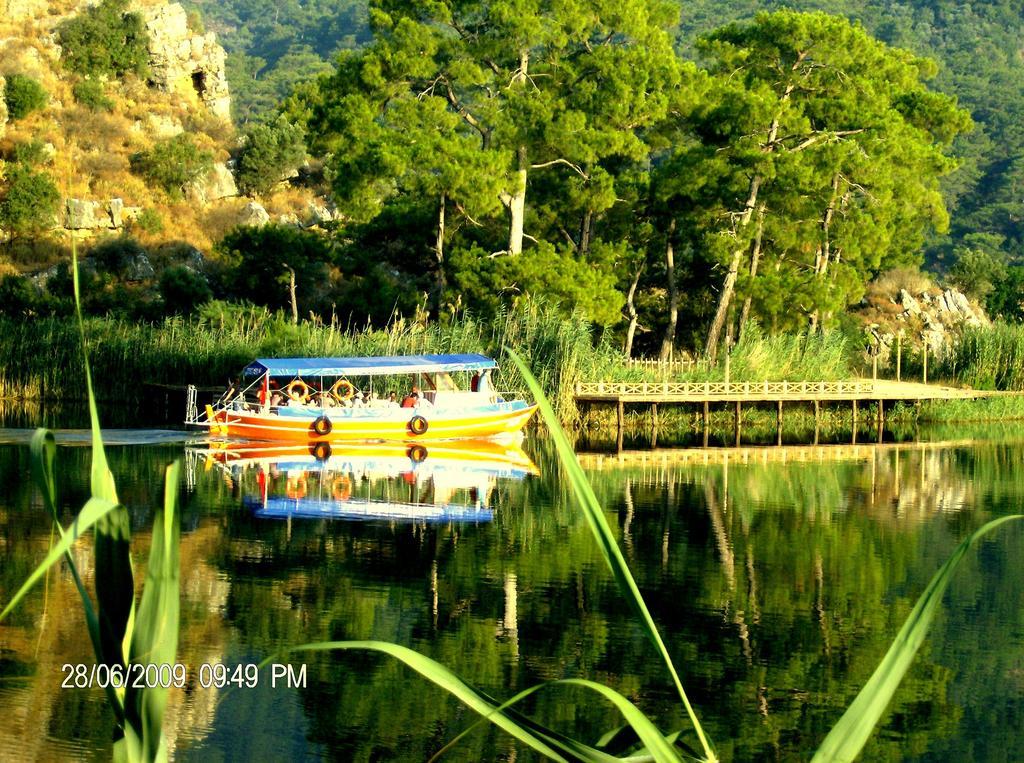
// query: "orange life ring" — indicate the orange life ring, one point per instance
point(322, 426)
point(418, 425)
point(293, 390)
point(340, 396)
point(296, 487)
point(321, 451)
point(341, 489)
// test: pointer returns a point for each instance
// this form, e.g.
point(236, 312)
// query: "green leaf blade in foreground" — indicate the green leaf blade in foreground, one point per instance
point(550, 744)
point(94, 510)
point(115, 584)
point(606, 540)
point(101, 479)
point(848, 737)
point(636, 721)
point(44, 457)
point(155, 634)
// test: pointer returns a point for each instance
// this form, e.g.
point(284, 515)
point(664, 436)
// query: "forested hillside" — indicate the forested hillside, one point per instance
point(979, 47)
point(274, 46)
point(677, 174)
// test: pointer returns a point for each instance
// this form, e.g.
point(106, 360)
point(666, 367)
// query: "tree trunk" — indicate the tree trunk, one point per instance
point(729, 285)
point(517, 205)
point(634, 317)
point(715, 331)
point(668, 343)
point(824, 252)
point(517, 201)
point(585, 227)
point(755, 256)
point(291, 293)
point(442, 282)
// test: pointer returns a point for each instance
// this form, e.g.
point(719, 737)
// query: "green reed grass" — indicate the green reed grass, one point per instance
point(986, 358)
point(36, 360)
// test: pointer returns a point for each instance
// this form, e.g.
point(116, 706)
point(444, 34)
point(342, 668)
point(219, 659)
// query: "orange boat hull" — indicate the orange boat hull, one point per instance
point(350, 425)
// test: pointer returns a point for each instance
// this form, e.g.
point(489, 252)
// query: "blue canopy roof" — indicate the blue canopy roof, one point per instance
point(373, 366)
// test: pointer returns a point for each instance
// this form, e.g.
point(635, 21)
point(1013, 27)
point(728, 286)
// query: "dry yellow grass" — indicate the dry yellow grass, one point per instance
point(93, 149)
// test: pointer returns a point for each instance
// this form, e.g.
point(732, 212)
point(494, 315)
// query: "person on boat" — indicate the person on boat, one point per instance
point(410, 400)
point(424, 402)
point(357, 400)
point(325, 400)
point(392, 400)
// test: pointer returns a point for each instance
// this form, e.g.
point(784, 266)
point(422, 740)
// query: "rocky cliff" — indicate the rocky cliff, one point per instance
point(89, 152)
point(185, 63)
point(923, 314)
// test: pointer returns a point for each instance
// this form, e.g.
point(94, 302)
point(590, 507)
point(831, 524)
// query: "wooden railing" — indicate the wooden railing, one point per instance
point(730, 389)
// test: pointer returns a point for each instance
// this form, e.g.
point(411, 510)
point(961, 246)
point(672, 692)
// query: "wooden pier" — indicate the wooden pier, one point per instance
point(854, 392)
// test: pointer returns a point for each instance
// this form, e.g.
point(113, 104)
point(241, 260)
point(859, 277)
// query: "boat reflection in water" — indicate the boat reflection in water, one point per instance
point(436, 482)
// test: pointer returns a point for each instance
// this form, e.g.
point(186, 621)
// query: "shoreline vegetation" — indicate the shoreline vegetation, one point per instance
point(39, 359)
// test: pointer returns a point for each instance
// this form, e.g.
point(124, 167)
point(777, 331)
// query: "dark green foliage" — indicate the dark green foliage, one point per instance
point(261, 257)
point(104, 39)
point(977, 271)
point(269, 152)
point(23, 95)
point(89, 93)
point(1007, 299)
point(114, 255)
point(173, 163)
point(29, 203)
point(18, 297)
point(183, 290)
point(550, 272)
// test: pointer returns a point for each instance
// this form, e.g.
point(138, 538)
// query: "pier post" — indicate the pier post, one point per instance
point(620, 416)
point(738, 413)
point(924, 351)
point(817, 420)
point(778, 424)
point(654, 425)
point(899, 353)
point(854, 438)
point(707, 421)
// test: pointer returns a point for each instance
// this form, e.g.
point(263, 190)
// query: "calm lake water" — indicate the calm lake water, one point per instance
point(778, 584)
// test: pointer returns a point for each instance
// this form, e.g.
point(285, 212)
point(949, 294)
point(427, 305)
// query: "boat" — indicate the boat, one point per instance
point(397, 482)
point(329, 400)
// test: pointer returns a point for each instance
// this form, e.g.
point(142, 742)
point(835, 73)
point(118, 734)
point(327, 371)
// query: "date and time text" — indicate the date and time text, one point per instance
point(178, 675)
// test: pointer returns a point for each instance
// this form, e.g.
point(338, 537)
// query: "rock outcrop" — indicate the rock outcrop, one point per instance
point(934, 318)
point(254, 214)
point(82, 215)
point(219, 184)
point(186, 63)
